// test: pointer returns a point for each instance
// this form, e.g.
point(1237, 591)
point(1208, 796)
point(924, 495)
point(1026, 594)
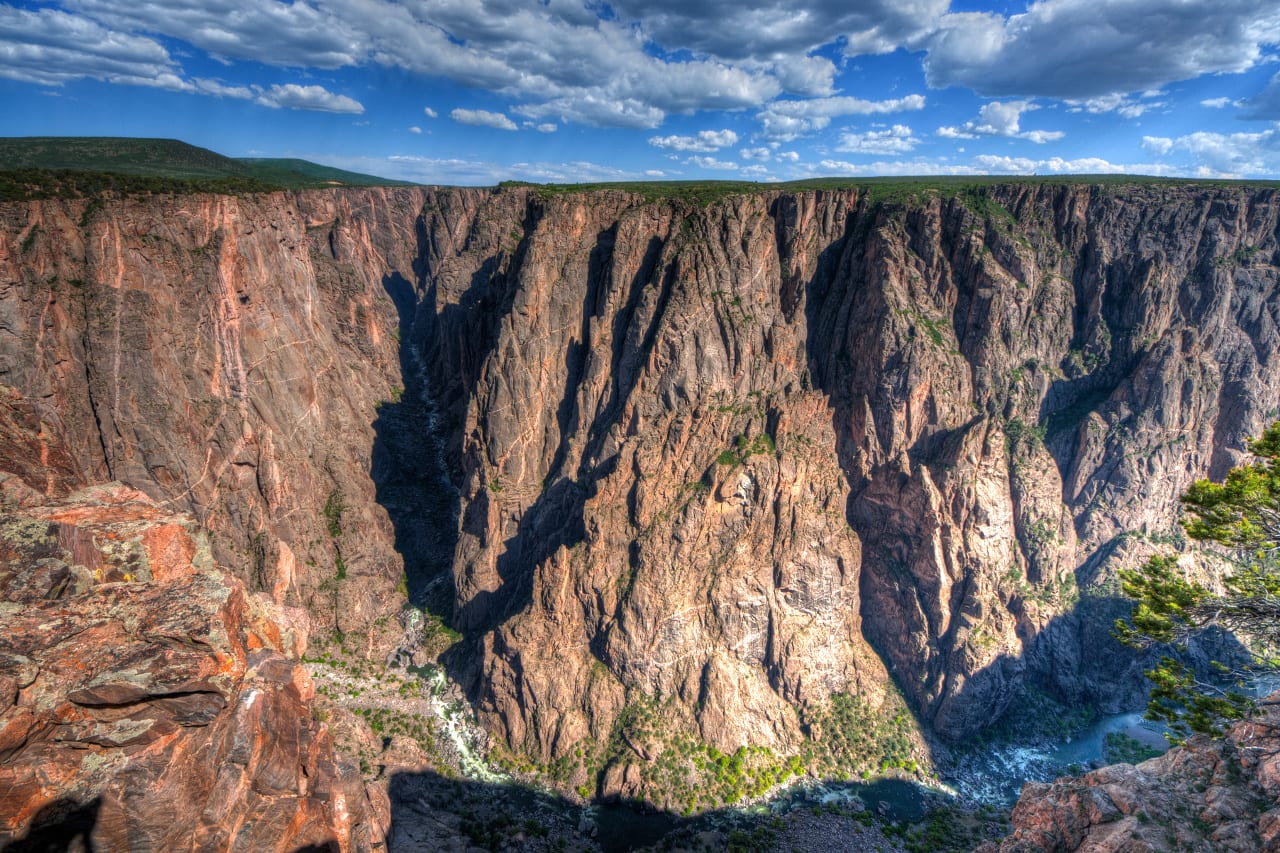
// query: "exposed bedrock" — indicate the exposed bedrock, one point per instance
point(738, 457)
point(721, 454)
point(147, 700)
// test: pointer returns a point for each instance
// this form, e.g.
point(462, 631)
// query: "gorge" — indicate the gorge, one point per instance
point(813, 480)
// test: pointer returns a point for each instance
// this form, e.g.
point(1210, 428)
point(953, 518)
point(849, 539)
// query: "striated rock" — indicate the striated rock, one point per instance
point(226, 354)
point(717, 455)
point(1208, 795)
point(147, 701)
point(733, 458)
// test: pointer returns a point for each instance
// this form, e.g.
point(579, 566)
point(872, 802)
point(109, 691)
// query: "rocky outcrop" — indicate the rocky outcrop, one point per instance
point(1212, 794)
point(147, 700)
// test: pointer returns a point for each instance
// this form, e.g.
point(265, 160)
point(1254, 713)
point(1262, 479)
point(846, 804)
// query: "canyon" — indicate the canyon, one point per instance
point(671, 477)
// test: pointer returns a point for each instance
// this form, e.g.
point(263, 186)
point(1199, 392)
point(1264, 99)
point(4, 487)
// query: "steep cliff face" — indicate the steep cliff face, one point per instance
point(225, 355)
point(722, 460)
point(714, 455)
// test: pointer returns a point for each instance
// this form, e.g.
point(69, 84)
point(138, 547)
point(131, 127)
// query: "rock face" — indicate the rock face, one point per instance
point(226, 355)
point(147, 701)
point(1209, 795)
point(719, 454)
point(734, 458)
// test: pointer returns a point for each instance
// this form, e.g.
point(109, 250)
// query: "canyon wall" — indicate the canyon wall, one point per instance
point(226, 355)
point(719, 454)
point(730, 458)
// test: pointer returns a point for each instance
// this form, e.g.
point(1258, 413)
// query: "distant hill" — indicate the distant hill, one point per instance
point(36, 166)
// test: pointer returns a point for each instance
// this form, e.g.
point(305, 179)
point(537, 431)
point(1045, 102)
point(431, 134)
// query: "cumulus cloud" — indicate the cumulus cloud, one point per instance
point(889, 167)
point(712, 163)
point(548, 55)
point(482, 118)
point(706, 141)
point(759, 29)
point(51, 47)
point(543, 127)
point(1055, 165)
point(1121, 104)
point(895, 140)
point(1001, 119)
point(297, 97)
point(1088, 48)
point(755, 153)
point(785, 120)
point(430, 113)
point(276, 33)
point(1223, 154)
point(415, 129)
point(463, 172)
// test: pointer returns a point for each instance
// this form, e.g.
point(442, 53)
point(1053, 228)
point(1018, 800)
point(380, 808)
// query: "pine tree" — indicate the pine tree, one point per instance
point(1242, 516)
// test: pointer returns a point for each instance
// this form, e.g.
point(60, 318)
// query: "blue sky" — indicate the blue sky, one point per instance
point(477, 91)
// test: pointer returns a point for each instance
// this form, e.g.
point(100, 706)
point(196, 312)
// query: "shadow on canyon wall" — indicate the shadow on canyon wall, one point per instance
point(63, 826)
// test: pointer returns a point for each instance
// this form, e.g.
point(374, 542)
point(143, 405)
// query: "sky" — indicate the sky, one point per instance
point(479, 91)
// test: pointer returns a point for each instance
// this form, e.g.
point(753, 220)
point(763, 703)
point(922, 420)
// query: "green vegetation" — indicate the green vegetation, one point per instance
point(1120, 748)
point(887, 190)
point(952, 829)
point(744, 448)
point(61, 167)
point(845, 738)
point(1034, 715)
point(1016, 431)
point(1242, 516)
point(333, 509)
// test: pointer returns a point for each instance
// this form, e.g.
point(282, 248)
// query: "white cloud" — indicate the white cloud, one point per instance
point(755, 153)
point(50, 47)
point(1121, 104)
point(1054, 165)
point(430, 113)
point(1224, 154)
point(482, 118)
point(754, 171)
point(706, 141)
point(1088, 48)
point(558, 60)
point(790, 156)
point(297, 97)
point(1216, 103)
point(712, 163)
point(1001, 119)
point(888, 167)
point(785, 120)
point(751, 29)
point(462, 172)
point(415, 129)
point(543, 127)
point(895, 140)
point(275, 33)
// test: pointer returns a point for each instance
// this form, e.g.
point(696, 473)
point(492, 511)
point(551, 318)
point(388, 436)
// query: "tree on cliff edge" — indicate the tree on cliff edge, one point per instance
point(1242, 515)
